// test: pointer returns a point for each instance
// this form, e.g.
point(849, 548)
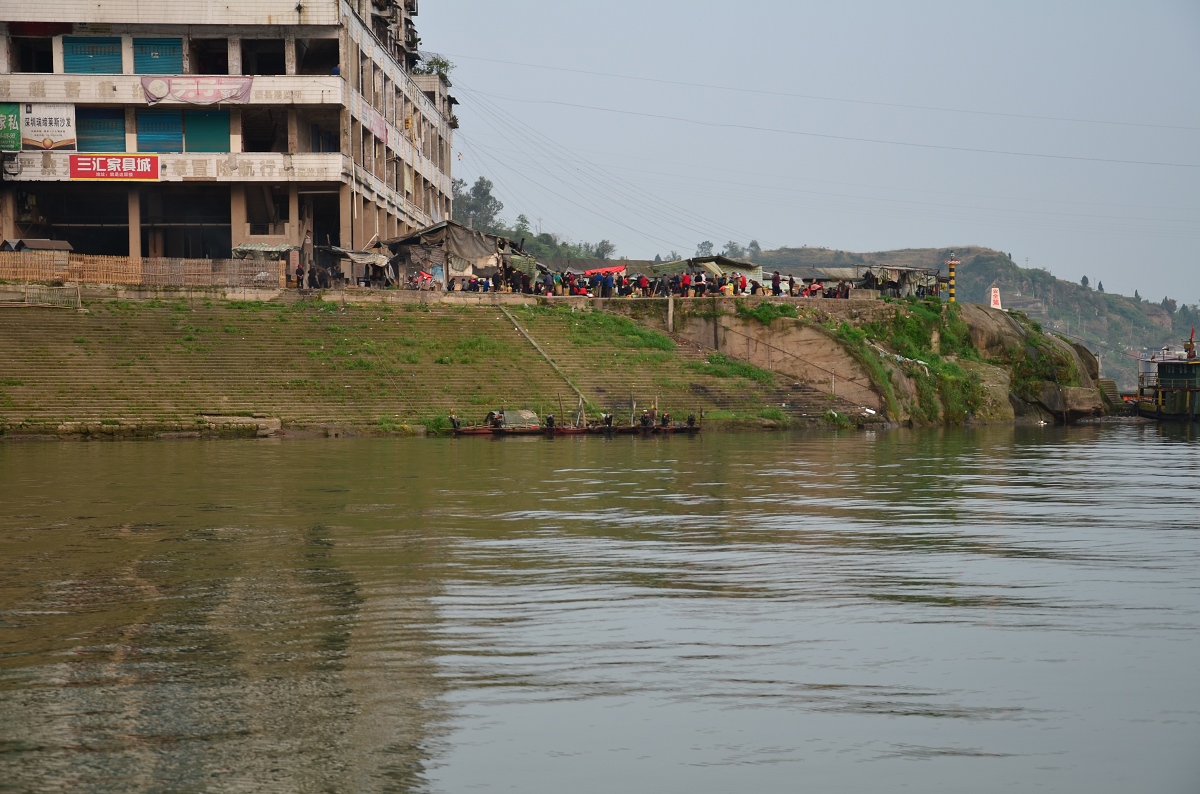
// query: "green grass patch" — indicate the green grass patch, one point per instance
point(766, 312)
point(718, 365)
point(600, 328)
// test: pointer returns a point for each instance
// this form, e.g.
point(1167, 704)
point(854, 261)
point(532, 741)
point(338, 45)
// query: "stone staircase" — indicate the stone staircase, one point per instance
point(1111, 394)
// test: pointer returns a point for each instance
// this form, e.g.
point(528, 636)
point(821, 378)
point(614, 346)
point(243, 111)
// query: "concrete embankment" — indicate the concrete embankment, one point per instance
point(392, 363)
point(193, 364)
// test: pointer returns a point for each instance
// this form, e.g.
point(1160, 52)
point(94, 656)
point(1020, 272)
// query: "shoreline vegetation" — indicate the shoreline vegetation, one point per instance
point(175, 365)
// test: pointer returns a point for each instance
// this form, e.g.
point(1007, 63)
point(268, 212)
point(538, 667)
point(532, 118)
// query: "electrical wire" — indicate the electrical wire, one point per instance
point(762, 92)
point(622, 191)
point(829, 136)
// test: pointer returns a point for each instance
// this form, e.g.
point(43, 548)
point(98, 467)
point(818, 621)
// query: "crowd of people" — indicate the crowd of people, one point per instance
point(612, 283)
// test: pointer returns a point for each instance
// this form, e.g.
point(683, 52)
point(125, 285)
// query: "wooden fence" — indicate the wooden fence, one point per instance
point(57, 266)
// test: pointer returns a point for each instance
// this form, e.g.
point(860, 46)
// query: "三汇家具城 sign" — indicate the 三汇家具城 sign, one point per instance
point(104, 167)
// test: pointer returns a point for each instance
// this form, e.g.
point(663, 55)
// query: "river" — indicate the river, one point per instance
point(984, 610)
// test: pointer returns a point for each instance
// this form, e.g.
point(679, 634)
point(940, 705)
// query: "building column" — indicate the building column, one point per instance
point(237, 214)
point(235, 55)
point(135, 223)
point(8, 213)
point(346, 215)
point(235, 130)
point(130, 130)
point(295, 224)
point(289, 55)
point(56, 54)
point(293, 131)
point(127, 55)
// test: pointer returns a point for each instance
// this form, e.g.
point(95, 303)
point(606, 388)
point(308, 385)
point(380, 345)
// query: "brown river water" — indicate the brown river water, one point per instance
point(991, 610)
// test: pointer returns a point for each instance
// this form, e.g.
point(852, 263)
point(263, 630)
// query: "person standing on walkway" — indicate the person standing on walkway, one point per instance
point(299, 277)
point(775, 283)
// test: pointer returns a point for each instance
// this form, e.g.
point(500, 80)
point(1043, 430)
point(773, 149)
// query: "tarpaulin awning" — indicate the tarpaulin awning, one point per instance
point(362, 257)
point(604, 271)
point(456, 239)
point(258, 250)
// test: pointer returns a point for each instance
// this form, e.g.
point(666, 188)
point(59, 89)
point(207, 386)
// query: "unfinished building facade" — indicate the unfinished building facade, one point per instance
point(186, 129)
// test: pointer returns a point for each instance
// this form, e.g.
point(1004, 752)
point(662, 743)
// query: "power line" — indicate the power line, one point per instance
point(626, 191)
point(829, 98)
point(802, 133)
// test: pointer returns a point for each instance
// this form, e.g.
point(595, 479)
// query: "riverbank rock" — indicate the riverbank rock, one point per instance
point(1070, 402)
point(997, 385)
point(993, 332)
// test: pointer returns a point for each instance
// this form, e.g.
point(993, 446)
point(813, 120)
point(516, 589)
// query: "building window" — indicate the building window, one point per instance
point(92, 54)
point(32, 55)
point(209, 56)
point(263, 57)
point(206, 130)
point(158, 56)
point(160, 130)
point(100, 129)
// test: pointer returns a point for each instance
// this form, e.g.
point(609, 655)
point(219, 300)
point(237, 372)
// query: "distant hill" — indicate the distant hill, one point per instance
point(1112, 325)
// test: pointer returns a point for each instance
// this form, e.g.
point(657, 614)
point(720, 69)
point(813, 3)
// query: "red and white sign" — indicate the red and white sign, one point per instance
point(996, 298)
point(100, 167)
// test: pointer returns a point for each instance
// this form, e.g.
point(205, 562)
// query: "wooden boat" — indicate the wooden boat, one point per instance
point(1169, 384)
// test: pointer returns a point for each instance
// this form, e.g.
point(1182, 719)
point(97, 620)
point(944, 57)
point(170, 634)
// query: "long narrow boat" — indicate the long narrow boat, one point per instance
point(497, 432)
point(638, 430)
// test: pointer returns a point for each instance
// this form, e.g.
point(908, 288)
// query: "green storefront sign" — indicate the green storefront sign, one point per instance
point(10, 127)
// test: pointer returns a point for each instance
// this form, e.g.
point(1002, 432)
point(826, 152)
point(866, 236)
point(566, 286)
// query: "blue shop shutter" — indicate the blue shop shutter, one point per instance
point(92, 54)
point(158, 56)
point(160, 130)
point(207, 130)
point(100, 129)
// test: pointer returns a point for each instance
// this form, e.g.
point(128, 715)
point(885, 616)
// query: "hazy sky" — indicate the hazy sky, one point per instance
point(856, 125)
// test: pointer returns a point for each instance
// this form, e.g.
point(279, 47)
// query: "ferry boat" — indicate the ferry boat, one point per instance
point(1169, 384)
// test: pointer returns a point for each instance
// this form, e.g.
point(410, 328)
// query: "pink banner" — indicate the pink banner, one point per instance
point(197, 90)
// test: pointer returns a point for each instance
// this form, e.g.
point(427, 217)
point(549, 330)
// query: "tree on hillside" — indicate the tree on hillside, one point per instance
point(1137, 297)
point(1169, 304)
point(674, 256)
point(657, 258)
point(1100, 287)
point(477, 207)
point(603, 249)
point(705, 248)
point(753, 250)
point(1084, 282)
point(733, 250)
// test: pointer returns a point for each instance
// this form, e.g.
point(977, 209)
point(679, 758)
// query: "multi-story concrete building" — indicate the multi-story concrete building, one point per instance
point(184, 129)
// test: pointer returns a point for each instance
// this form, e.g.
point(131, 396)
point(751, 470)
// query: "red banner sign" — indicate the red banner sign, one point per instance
point(98, 167)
